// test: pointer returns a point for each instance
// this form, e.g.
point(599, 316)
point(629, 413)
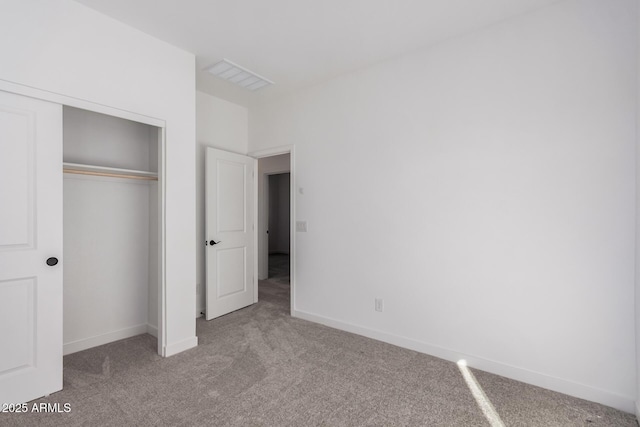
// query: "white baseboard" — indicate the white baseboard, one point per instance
point(623, 403)
point(152, 330)
point(86, 343)
point(180, 346)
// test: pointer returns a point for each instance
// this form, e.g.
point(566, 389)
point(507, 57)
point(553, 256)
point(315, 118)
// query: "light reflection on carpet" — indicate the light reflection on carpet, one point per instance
point(481, 398)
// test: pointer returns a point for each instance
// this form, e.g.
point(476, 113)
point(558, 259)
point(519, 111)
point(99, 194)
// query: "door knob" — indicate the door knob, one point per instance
point(52, 261)
point(213, 242)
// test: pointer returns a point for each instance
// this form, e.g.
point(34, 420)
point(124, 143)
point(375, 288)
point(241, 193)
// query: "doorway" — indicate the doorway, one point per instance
point(276, 241)
point(111, 195)
point(278, 225)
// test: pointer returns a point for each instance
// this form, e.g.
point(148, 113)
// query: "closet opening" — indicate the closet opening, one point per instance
point(112, 220)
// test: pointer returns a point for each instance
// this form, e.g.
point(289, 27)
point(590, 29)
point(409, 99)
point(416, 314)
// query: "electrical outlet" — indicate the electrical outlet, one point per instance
point(379, 304)
point(301, 226)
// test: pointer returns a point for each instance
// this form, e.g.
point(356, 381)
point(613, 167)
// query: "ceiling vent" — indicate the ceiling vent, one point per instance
point(227, 70)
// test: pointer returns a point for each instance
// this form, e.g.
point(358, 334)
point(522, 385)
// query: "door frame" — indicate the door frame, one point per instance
point(83, 104)
point(270, 152)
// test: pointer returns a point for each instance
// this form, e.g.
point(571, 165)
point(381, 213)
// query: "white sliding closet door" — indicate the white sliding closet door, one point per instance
point(30, 247)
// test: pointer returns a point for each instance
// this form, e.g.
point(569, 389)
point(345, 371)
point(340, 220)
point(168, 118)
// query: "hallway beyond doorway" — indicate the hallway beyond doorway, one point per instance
point(279, 267)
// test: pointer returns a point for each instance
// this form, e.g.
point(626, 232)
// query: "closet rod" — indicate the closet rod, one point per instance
point(111, 175)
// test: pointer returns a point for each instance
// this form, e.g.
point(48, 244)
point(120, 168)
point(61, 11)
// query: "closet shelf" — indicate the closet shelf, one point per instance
point(80, 169)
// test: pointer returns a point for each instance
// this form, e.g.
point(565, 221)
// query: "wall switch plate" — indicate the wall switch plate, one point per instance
point(301, 226)
point(379, 305)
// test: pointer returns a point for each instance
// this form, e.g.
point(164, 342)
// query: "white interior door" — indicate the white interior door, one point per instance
point(229, 232)
point(30, 240)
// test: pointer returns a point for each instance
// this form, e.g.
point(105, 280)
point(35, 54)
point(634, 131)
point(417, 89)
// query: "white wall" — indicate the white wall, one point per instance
point(267, 165)
point(63, 48)
point(224, 125)
point(97, 139)
point(484, 188)
point(106, 252)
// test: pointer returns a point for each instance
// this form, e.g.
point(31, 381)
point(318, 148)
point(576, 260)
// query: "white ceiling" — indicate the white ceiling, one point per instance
point(297, 43)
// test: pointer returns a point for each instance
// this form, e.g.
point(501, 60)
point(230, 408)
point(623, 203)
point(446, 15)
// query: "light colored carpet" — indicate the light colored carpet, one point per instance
point(260, 367)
